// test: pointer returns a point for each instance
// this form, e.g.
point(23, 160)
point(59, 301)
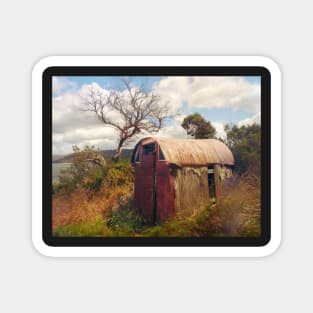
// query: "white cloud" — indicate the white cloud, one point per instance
point(220, 129)
point(255, 119)
point(211, 92)
point(174, 130)
point(174, 90)
point(61, 83)
point(67, 113)
point(73, 126)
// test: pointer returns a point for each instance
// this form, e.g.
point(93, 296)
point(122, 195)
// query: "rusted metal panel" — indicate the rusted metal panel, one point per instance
point(164, 192)
point(144, 187)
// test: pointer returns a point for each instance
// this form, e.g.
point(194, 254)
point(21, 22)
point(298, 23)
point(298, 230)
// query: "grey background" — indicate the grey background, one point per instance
point(33, 29)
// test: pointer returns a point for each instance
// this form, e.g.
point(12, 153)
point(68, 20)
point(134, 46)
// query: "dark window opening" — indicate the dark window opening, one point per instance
point(148, 149)
point(161, 155)
point(211, 181)
point(137, 157)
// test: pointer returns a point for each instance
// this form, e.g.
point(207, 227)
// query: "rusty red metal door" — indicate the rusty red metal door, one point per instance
point(145, 193)
point(164, 192)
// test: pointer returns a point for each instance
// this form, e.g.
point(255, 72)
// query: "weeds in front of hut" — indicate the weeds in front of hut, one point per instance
point(237, 213)
point(108, 212)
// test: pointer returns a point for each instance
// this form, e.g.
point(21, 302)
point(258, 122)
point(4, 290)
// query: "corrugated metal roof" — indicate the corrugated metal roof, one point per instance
point(193, 151)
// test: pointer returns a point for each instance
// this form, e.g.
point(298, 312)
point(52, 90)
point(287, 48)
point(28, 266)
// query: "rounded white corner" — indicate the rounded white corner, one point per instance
point(42, 64)
point(41, 247)
point(270, 64)
point(271, 247)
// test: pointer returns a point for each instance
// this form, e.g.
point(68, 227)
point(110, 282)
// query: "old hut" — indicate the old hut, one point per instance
point(174, 176)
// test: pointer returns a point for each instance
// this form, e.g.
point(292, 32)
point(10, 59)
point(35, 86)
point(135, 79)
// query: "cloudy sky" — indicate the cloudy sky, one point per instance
point(220, 100)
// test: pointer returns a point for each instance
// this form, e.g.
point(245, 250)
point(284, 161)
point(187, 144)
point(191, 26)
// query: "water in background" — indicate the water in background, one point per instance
point(56, 170)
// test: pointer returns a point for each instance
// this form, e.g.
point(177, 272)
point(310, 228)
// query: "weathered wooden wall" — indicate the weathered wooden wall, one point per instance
point(191, 189)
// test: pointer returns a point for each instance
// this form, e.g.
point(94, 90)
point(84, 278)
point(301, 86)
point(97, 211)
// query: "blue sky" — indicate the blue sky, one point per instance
point(220, 100)
point(115, 81)
point(110, 82)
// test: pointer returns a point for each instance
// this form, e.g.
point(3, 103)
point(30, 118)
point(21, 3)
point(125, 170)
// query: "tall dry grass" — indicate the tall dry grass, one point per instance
point(82, 206)
point(238, 209)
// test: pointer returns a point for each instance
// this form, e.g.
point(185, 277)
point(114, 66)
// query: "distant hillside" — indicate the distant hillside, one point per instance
point(57, 157)
point(126, 154)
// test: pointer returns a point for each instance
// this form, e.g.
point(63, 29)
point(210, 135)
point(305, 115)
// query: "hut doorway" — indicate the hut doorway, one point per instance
point(211, 182)
point(149, 188)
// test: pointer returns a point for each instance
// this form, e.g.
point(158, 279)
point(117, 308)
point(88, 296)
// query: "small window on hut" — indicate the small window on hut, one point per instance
point(148, 149)
point(137, 156)
point(161, 155)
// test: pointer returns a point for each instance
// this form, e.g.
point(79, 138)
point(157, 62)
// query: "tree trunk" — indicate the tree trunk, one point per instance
point(117, 153)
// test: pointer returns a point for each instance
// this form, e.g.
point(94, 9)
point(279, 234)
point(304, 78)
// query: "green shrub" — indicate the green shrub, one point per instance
point(56, 188)
point(87, 171)
point(120, 173)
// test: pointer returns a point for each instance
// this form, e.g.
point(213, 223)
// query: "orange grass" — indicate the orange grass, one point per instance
point(82, 206)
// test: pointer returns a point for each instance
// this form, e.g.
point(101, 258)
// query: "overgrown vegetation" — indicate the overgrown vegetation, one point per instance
point(245, 143)
point(238, 214)
point(94, 198)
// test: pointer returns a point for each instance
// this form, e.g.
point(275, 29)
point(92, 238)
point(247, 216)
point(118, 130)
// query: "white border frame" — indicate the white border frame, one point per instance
point(46, 250)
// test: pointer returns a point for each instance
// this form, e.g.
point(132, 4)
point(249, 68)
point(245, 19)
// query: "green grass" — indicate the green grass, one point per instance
point(210, 221)
point(125, 223)
point(97, 228)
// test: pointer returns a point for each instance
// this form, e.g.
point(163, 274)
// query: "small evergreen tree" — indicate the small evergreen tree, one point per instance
point(197, 127)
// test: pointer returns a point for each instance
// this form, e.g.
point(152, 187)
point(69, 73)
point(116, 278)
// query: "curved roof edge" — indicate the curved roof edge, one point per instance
point(185, 152)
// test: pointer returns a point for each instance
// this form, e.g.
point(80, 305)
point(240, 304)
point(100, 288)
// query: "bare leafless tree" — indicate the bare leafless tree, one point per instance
point(130, 111)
